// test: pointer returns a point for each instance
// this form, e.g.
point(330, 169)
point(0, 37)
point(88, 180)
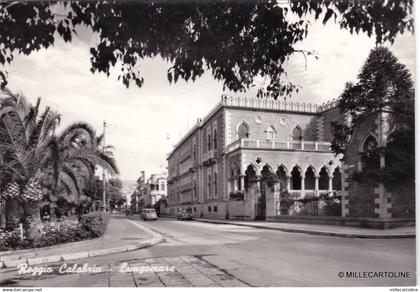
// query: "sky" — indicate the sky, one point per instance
point(144, 123)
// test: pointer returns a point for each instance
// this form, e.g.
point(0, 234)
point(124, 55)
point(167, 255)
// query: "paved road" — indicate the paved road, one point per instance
point(203, 254)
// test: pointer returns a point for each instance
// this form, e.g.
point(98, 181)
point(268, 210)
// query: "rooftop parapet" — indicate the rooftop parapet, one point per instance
point(259, 103)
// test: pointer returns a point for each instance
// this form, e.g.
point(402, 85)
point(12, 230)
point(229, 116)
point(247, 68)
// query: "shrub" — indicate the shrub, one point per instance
point(331, 208)
point(65, 230)
point(286, 201)
point(308, 208)
point(62, 231)
point(11, 240)
point(95, 223)
point(236, 196)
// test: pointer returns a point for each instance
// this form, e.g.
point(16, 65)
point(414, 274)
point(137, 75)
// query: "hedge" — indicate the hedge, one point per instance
point(65, 230)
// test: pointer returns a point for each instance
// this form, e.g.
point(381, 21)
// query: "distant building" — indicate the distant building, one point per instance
point(138, 196)
point(156, 188)
point(149, 191)
point(128, 188)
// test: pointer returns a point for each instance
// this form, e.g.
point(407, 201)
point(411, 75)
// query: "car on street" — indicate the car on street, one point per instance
point(148, 214)
point(184, 215)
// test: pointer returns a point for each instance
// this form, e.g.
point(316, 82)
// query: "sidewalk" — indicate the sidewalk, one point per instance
point(327, 230)
point(121, 235)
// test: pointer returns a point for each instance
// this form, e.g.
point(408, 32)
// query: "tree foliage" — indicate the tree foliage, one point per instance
point(383, 84)
point(94, 191)
point(114, 193)
point(237, 41)
point(37, 163)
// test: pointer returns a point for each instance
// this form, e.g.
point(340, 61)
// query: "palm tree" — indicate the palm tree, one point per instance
point(24, 138)
point(37, 163)
point(76, 155)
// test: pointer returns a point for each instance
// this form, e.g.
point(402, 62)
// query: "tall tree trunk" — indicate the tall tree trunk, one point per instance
point(2, 214)
point(13, 213)
point(32, 219)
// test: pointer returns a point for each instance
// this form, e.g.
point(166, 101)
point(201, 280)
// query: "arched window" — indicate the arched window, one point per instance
point(282, 175)
point(209, 186)
point(208, 141)
point(215, 184)
point(369, 144)
point(296, 179)
point(297, 134)
point(370, 157)
point(271, 132)
point(309, 179)
point(336, 182)
point(250, 176)
point(323, 179)
point(243, 131)
point(214, 139)
point(265, 172)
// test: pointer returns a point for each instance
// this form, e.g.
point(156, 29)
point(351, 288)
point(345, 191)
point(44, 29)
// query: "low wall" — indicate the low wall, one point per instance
point(375, 223)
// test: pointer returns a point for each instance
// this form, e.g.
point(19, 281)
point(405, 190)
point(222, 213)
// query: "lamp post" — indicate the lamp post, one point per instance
point(104, 202)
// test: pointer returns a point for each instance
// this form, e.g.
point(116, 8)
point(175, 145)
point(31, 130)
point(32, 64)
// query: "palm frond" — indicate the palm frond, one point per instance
point(22, 106)
point(107, 162)
point(95, 157)
point(86, 169)
point(72, 179)
point(15, 130)
point(78, 130)
point(50, 125)
point(34, 137)
point(31, 117)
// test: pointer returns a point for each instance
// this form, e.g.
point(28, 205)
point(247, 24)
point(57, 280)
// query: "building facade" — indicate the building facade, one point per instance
point(264, 159)
point(156, 189)
point(220, 167)
point(138, 196)
point(372, 199)
point(149, 191)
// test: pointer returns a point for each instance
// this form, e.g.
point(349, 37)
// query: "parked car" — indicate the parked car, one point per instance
point(148, 214)
point(184, 215)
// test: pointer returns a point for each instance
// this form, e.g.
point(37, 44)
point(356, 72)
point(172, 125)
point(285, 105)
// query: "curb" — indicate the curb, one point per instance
point(156, 239)
point(312, 232)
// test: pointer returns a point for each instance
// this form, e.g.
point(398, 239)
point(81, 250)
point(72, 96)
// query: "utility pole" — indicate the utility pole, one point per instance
point(103, 171)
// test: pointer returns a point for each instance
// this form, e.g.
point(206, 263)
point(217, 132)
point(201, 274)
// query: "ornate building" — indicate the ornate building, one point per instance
point(218, 168)
point(264, 159)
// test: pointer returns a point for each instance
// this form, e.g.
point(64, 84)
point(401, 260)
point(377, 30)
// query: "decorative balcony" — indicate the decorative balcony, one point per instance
point(279, 145)
point(209, 157)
